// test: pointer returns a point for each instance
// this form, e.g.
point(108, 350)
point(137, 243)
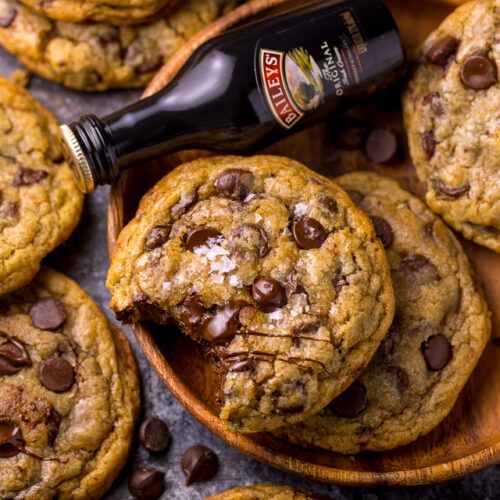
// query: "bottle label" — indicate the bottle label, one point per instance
point(295, 80)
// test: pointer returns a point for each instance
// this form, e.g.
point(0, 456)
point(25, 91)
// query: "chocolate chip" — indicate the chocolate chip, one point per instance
point(352, 402)
point(400, 376)
point(381, 145)
point(52, 421)
point(240, 232)
point(478, 72)
point(454, 192)
point(291, 283)
point(442, 50)
point(329, 203)
point(355, 196)
point(11, 440)
point(269, 294)
point(346, 132)
point(199, 463)
point(28, 176)
point(417, 263)
point(383, 230)
point(183, 205)
point(308, 233)
point(222, 327)
point(429, 143)
point(192, 310)
point(146, 483)
point(200, 236)
point(241, 366)
point(154, 435)
point(434, 100)
point(437, 352)
point(149, 65)
point(13, 356)
point(339, 280)
point(7, 15)
point(48, 313)
point(386, 349)
point(10, 210)
point(157, 236)
point(235, 183)
point(56, 374)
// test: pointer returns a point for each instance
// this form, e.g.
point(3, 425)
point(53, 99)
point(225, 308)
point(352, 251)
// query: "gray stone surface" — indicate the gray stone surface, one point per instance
point(84, 257)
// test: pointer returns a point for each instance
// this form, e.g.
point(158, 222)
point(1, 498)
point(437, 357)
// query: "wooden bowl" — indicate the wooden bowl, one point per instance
point(467, 440)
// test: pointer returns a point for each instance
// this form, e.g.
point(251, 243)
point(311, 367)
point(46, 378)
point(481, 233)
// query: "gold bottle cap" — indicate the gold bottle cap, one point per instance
point(77, 160)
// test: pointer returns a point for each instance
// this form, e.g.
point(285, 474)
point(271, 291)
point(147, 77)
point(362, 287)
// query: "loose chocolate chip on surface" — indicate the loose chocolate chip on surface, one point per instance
point(154, 435)
point(352, 402)
point(400, 376)
point(454, 192)
point(442, 50)
point(383, 230)
point(437, 352)
point(429, 143)
point(235, 183)
point(11, 440)
point(329, 203)
point(13, 356)
point(56, 374)
point(291, 283)
point(381, 145)
point(52, 421)
point(48, 313)
point(7, 15)
point(478, 72)
point(355, 196)
point(308, 233)
point(433, 99)
point(146, 483)
point(222, 327)
point(199, 463)
point(28, 176)
point(200, 236)
point(269, 294)
point(244, 230)
point(346, 132)
point(157, 236)
point(192, 310)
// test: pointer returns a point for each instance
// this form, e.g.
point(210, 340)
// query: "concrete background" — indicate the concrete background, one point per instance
point(84, 257)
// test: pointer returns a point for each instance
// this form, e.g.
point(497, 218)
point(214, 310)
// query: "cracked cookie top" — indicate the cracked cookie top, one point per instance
point(269, 265)
point(69, 394)
point(100, 56)
point(451, 113)
point(440, 328)
point(39, 202)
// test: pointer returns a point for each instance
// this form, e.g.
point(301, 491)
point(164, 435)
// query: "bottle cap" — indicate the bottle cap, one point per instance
point(77, 161)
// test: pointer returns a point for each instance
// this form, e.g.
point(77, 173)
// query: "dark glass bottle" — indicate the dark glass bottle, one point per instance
point(247, 88)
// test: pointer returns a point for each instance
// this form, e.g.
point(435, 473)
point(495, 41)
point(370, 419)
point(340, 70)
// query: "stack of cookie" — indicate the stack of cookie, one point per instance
point(90, 45)
point(69, 392)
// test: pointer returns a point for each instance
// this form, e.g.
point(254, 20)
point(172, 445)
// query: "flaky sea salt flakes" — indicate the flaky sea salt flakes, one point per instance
point(300, 209)
point(223, 265)
point(333, 310)
point(258, 218)
point(250, 197)
point(211, 250)
point(286, 231)
point(217, 278)
point(167, 286)
point(276, 315)
point(235, 281)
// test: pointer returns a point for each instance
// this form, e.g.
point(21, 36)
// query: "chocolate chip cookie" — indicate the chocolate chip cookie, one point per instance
point(272, 268)
point(39, 202)
point(440, 328)
point(115, 12)
point(267, 492)
point(69, 394)
point(451, 115)
point(100, 56)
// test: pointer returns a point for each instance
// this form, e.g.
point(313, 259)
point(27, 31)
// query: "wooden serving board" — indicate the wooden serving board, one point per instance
point(469, 438)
